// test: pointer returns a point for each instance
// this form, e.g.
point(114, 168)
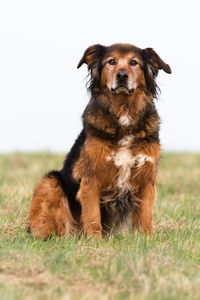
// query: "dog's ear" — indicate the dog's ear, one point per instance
point(92, 55)
point(154, 62)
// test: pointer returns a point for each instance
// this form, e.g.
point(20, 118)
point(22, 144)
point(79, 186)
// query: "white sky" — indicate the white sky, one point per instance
point(42, 93)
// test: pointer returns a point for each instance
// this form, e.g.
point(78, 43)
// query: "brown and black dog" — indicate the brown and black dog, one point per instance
point(109, 176)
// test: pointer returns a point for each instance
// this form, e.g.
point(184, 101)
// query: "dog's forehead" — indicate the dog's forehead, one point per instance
point(123, 50)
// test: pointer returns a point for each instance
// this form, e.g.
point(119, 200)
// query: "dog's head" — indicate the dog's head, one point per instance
point(123, 68)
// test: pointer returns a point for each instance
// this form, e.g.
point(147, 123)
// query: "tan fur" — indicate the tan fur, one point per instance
point(99, 174)
point(50, 211)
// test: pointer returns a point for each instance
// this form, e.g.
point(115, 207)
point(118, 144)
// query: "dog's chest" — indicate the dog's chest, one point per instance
point(125, 162)
point(119, 198)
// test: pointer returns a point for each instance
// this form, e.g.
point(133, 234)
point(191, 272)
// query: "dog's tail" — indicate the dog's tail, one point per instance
point(50, 211)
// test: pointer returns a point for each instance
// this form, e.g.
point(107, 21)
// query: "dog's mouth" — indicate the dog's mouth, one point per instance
point(122, 89)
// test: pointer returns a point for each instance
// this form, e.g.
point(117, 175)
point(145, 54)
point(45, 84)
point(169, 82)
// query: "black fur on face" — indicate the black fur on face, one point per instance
point(94, 78)
point(152, 64)
point(93, 58)
point(150, 78)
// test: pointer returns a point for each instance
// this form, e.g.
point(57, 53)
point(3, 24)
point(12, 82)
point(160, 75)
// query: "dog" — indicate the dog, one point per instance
point(109, 176)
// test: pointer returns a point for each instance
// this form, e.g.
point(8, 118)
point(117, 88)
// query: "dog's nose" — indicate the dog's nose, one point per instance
point(122, 74)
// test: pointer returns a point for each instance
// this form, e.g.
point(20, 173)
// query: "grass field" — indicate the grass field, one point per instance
point(127, 266)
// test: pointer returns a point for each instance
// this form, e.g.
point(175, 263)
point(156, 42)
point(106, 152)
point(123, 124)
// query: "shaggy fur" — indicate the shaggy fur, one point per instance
point(109, 175)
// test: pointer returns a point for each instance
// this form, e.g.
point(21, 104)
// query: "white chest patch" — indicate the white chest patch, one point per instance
point(125, 141)
point(124, 161)
point(125, 120)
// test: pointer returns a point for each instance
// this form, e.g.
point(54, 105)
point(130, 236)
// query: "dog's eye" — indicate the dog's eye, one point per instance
point(112, 62)
point(133, 62)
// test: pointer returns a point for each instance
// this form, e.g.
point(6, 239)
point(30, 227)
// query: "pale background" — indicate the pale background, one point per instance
point(42, 93)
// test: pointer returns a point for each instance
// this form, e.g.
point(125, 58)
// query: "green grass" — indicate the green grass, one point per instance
point(127, 266)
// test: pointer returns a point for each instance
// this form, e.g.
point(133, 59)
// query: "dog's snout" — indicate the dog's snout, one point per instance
point(122, 74)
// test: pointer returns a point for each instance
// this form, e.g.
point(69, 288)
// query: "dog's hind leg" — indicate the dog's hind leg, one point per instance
point(49, 211)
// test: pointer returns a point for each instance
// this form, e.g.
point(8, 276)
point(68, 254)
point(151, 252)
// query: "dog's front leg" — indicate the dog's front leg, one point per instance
point(89, 195)
point(142, 217)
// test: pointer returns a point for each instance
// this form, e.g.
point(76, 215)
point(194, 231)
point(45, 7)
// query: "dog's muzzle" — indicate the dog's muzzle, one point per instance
point(122, 89)
point(122, 83)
